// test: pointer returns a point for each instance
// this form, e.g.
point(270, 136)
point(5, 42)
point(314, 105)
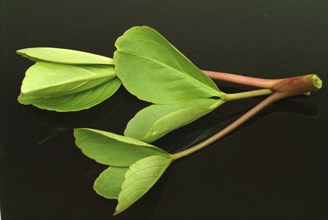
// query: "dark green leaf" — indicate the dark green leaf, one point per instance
point(109, 182)
point(74, 102)
point(45, 79)
point(59, 55)
point(155, 121)
point(112, 149)
point(155, 71)
point(140, 177)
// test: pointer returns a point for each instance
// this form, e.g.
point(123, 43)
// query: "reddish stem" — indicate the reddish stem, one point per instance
point(244, 80)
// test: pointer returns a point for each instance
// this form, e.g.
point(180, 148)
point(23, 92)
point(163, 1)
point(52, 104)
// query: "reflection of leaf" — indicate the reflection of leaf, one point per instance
point(144, 57)
point(46, 80)
point(59, 55)
point(112, 149)
point(155, 121)
point(140, 177)
point(74, 102)
point(109, 182)
point(47, 132)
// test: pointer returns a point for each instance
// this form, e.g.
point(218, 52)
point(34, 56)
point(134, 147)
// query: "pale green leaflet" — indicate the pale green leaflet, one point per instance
point(76, 101)
point(153, 122)
point(112, 149)
point(139, 178)
point(66, 56)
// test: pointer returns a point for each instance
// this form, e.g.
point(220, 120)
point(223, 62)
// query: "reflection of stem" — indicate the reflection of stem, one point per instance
point(282, 88)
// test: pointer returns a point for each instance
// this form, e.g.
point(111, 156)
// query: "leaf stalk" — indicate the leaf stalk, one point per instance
point(244, 95)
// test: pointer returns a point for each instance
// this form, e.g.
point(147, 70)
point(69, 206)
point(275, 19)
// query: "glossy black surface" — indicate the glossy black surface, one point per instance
point(273, 167)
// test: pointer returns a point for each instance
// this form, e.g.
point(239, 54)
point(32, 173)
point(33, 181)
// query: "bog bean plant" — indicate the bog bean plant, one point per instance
point(153, 70)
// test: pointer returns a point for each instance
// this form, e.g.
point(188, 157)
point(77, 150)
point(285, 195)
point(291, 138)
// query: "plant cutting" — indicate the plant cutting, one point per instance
point(153, 70)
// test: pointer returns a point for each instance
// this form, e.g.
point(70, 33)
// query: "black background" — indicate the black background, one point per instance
point(273, 167)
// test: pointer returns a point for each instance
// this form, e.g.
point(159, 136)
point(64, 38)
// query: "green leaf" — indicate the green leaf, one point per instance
point(45, 79)
point(74, 102)
point(109, 182)
point(140, 177)
point(155, 71)
point(112, 149)
point(59, 55)
point(155, 121)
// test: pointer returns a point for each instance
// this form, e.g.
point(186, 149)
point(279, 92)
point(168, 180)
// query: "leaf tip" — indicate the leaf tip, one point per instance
point(76, 133)
point(119, 209)
point(117, 212)
point(22, 52)
point(19, 97)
